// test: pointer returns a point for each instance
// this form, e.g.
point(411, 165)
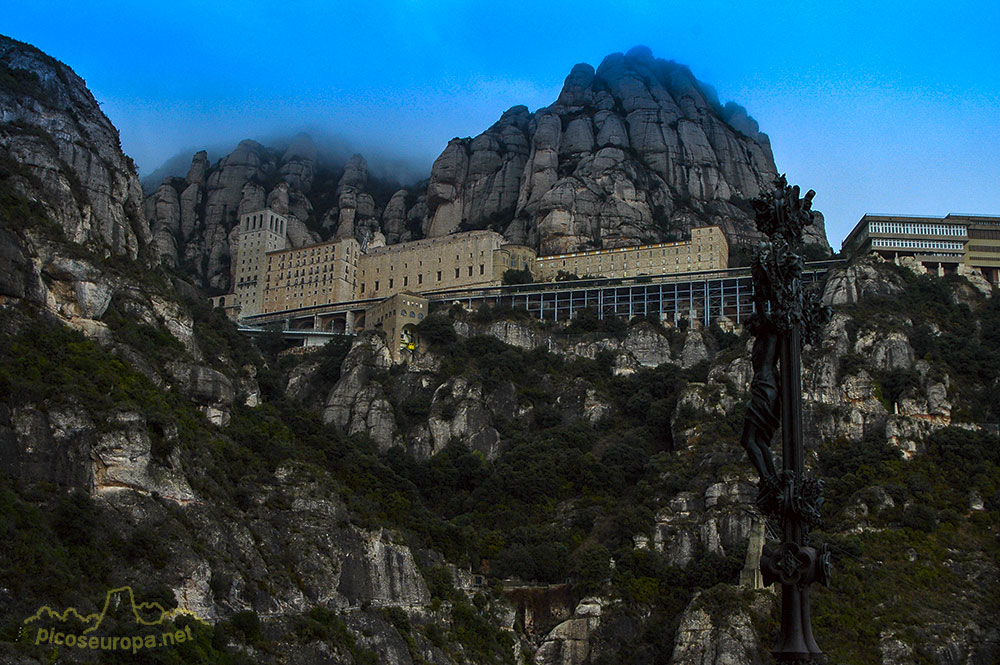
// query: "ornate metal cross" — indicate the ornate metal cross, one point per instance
point(785, 318)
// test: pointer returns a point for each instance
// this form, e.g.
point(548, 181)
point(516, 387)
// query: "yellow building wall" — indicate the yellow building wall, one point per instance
point(338, 271)
point(398, 316)
point(706, 250)
point(513, 257)
point(982, 251)
point(314, 275)
point(462, 260)
point(260, 232)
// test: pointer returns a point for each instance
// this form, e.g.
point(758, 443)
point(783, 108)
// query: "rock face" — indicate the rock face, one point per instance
point(63, 152)
point(637, 151)
point(857, 281)
point(459, 412)
point(192, 218)
point(719, 521)
point(355, 214)
point(569, 642)
point(357, 404)
point(706, 639)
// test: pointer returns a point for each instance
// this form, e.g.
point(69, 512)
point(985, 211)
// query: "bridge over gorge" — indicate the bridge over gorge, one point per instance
point(704, 296)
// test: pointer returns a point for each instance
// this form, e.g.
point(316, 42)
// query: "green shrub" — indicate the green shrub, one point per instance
point(512, 276)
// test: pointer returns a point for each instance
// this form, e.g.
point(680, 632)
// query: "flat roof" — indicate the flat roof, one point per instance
point(306, 247)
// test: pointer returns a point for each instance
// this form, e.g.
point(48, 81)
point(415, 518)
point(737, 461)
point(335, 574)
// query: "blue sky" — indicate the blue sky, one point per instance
point(879, 107)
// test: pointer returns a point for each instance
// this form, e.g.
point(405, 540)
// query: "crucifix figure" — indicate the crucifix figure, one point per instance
point(785, 318)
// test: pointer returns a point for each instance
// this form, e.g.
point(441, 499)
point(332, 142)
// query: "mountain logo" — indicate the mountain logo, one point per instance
point(79, 630)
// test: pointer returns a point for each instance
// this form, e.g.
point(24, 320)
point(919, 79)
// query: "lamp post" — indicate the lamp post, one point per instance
point(785, 318)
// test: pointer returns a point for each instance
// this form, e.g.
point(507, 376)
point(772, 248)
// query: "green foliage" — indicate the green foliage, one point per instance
point(814, 252)
point(326, 625)
point(436, 330)
point(151, 341)
point(957, 339)
point(851, 364)
point(247, 625)
point(512, 276)
point(588, 320)
point(481, 641)
point(47, 363)
point(17, 212)
point(899, 576)
point(722, 340)
point(24, 84)
point(895, 383)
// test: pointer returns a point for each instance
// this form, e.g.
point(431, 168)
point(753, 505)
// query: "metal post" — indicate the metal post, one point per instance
point(784, 316)
point(706, 305)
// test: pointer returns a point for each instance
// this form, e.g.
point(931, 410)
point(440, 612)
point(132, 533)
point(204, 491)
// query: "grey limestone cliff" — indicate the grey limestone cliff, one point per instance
point(63, 152)
point(637, 151)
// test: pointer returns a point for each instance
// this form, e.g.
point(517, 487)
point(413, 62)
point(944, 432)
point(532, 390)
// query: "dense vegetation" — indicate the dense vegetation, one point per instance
point(561, 503)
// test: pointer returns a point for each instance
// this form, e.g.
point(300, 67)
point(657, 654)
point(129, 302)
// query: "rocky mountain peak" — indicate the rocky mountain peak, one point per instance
point(67, 152)
point(199, 168)
point(635, 151)
point(355, 175)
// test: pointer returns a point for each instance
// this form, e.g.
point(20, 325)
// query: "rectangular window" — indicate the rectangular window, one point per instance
point(420, 279)
point(456, 273)
point(482, 268)
point(439, 275)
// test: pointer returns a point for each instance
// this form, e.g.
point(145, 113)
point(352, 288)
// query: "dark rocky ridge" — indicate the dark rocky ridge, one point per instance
point(68, 152)
point(192, 219)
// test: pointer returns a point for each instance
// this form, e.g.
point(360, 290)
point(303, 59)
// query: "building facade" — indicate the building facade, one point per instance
point(983, 249)
point(314, 275)
point(939, 244)
point(460, 260)
point(270, 278)
point(706, 250)
point(397, 317)
point(261, 231)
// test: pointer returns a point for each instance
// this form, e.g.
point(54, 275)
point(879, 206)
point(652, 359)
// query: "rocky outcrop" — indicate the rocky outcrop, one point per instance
point(720, 633)
point(126, 458)
point(355, 214)
point(475, 182)
point(717, 521)
point(65, 154)
point(63, 445)
point(459, 412)
point(569, 642)
point(637, 151)
point(859, 280)
point(394, 219)
point(210, 389)
point(381, 573)
point(357, 404)
point(193, 219)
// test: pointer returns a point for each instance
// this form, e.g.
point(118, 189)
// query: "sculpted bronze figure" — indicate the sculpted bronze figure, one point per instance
point(785, 318)
point(764, 408)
